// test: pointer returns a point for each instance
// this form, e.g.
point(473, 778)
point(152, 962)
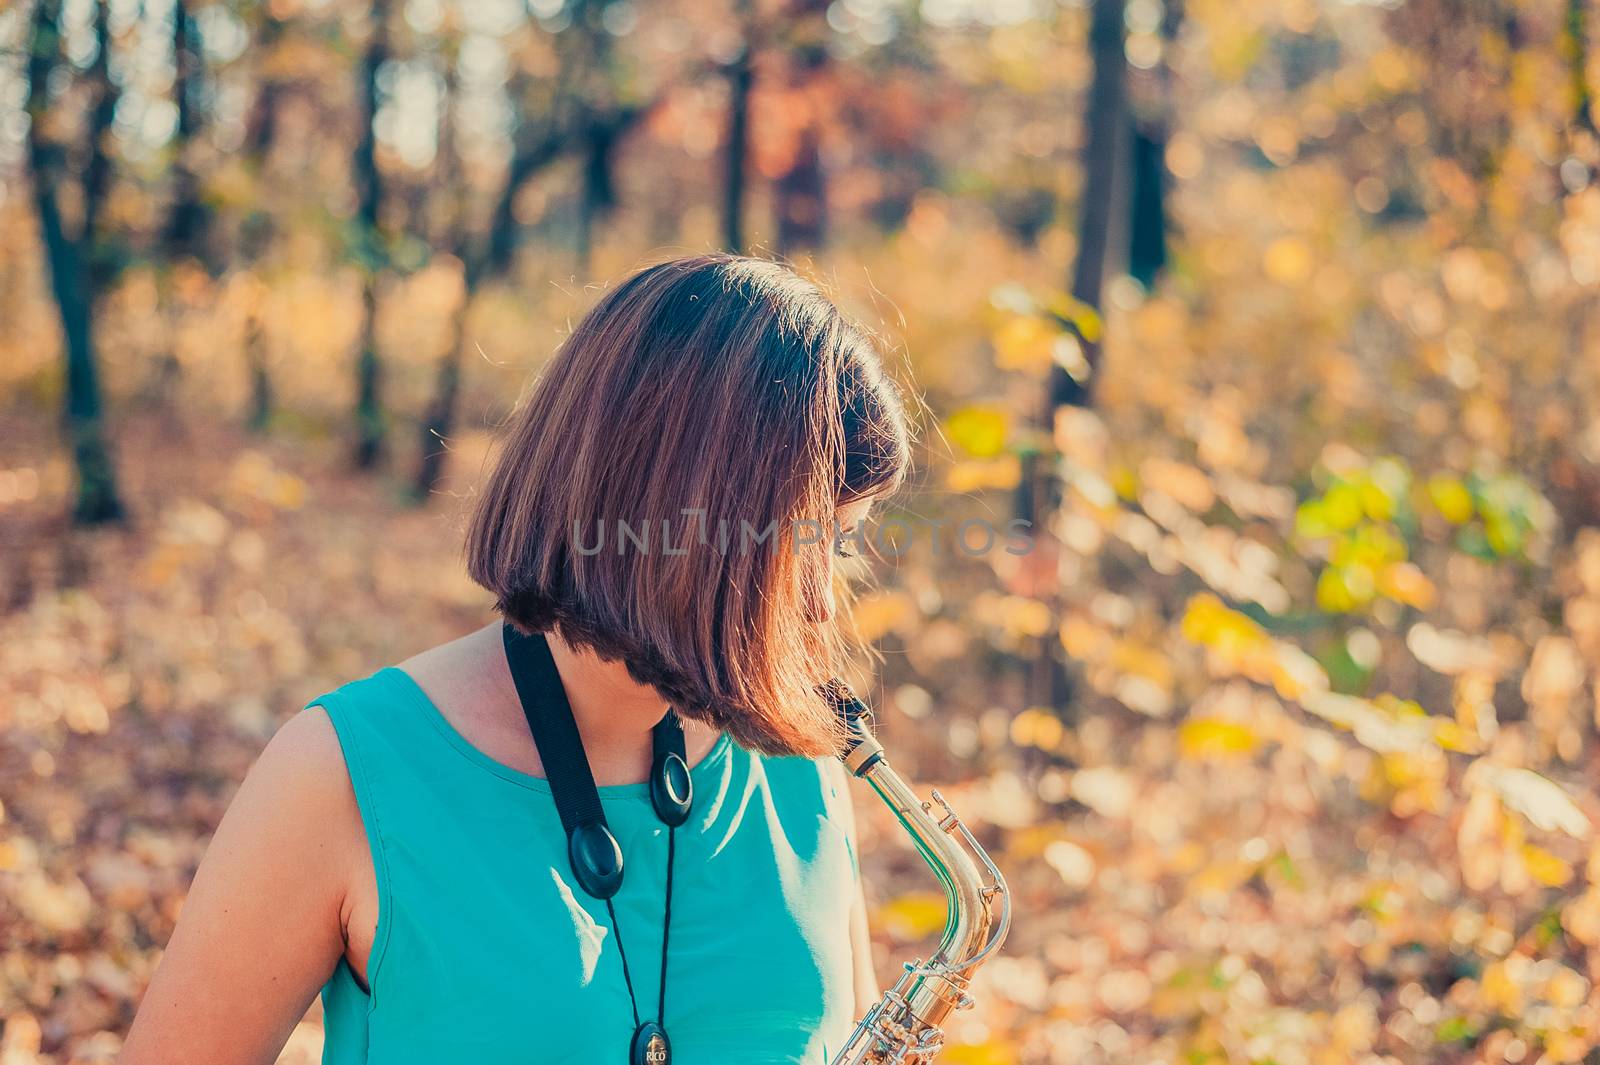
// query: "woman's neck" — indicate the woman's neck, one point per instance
point(614, 712)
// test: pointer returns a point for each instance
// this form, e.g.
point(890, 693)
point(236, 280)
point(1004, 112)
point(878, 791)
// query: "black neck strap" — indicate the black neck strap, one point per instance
point(593, 851)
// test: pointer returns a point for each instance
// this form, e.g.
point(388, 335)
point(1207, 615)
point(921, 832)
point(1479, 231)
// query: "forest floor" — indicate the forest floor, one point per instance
point(1184, 890)
point(144, 666)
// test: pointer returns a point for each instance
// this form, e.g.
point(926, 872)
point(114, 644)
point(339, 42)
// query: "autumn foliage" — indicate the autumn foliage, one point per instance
point(1319, 585)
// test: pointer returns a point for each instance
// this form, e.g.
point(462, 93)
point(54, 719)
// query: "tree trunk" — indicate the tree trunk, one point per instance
point(186, 222)
point(598, 195)
point(370, 422)
point(1152, 104)
point(1577, 48)
point(369, 413)
point(261, 128)
point(527, 160)
point(438, 421)
point(72, 259)
point(1105, 171)
point(801, 193)
point(491, 253)
point(1104, 168)
point(741, 76)
point(255, 347)
point(1147, 238)
point(257, 229)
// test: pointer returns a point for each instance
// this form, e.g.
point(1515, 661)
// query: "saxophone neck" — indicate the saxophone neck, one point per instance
point(974, 886)
point(906, 1025)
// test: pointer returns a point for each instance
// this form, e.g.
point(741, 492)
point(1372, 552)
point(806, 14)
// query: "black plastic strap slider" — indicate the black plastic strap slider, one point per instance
point(596, 859)
point(671, 788)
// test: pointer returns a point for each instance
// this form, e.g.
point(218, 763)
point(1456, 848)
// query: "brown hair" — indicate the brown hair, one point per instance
point(704, 393)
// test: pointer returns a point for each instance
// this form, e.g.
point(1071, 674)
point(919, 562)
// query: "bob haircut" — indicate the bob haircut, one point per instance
point(703, 402)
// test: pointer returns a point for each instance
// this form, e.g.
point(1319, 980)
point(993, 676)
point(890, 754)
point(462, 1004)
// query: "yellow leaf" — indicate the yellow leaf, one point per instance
point(1037, 728)
point(1334, 595)
point(980, 431)
point(1405, 583)
point(1140, 660)
point(1450, 735)
point(976, 474)
point(1287, 260)
point(1545, 867)
point(1222, 878)
point(989, 1052)
point(1450, 498)
point(1344, 506)
point(1083, 639)
point(1030, 842)
point(1208, 622)
point(879, 614)
point(1027, 617)
point(1499, 990)
point(1214, 738)
point(1565, 989)
point(914, 915)
point(1125, 483)
point(1563, 1047)
point(1083, 317)
point(1025, 342)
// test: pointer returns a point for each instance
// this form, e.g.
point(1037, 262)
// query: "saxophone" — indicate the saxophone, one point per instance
point(905, 1026)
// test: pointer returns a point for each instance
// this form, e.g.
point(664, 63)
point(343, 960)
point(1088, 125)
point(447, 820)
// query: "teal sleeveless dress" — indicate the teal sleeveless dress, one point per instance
point(488, 952)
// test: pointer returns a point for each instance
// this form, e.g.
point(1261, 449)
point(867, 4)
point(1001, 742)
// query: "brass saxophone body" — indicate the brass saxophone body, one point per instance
point(905, 1027)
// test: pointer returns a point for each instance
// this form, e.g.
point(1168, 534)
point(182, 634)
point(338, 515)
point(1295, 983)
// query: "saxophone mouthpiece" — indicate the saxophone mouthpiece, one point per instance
point(844, 701)
point(861, 751)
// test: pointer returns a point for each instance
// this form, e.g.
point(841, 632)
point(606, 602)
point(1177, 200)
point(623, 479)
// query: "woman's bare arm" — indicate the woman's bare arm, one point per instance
point(261, 928)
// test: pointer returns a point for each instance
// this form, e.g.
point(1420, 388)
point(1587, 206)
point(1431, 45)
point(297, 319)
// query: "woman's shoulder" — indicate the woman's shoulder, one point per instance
point(811, 799)
point(368, 711)
point(816, 784)
point(374, 687)
point(296, 799)
point(306, 759)
point(802, 769)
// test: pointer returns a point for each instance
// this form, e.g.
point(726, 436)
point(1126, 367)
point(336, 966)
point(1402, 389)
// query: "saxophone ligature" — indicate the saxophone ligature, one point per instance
point(906, 1026)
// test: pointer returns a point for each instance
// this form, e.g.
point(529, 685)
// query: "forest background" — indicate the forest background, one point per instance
point(1275, 317)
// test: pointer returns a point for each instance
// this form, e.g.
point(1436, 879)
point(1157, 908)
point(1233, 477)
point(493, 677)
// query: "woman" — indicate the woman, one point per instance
point(653, 518)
